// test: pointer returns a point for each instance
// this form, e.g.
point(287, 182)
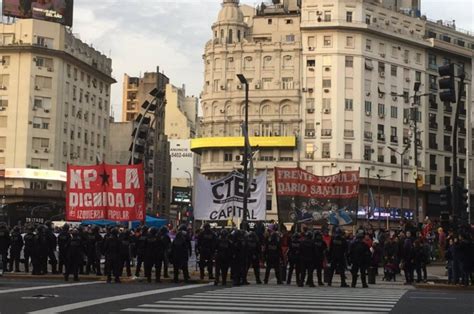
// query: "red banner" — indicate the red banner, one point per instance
point(114, 192)
point(305, 197)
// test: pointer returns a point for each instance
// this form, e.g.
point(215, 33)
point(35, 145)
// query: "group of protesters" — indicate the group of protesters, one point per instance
point(325, 251)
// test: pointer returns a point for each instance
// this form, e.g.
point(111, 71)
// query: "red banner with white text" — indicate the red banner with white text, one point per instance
point(114, 192)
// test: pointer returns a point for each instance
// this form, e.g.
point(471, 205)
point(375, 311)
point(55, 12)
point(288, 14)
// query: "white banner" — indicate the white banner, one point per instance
point(222, 199)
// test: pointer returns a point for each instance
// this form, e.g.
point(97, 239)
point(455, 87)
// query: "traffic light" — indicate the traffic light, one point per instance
point(463, 199)
point(445, 198)
point(447, 82)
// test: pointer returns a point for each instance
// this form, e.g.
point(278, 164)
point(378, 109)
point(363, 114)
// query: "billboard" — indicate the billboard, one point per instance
point(59, 11)
point(182, 159)
point(181, 195)
point(114, 192)
point(304, 197)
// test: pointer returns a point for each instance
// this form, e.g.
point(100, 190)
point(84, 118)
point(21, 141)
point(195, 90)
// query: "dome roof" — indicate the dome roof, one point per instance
point(230, 12)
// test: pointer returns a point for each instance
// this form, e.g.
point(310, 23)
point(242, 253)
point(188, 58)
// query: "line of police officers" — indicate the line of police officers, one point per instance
point(236, 250)
point(240, 250)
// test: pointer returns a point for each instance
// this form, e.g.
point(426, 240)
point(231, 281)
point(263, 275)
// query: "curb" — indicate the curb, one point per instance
point(443, 286)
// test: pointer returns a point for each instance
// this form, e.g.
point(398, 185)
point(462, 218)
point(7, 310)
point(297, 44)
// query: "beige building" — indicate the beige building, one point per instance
point(331, 86)
point(54, 109)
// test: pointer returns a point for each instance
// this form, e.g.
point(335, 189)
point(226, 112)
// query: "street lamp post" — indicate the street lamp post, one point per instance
point(244, 81)
point(401, 173)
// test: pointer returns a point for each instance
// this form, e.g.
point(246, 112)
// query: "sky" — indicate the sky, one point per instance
point(140, 35)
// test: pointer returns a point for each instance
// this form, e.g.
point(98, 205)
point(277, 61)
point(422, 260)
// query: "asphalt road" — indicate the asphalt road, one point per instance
point(43, 296)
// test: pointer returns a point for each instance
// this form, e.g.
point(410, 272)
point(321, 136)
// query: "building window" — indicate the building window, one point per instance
point(326, 152)
point(432, 64)
point(368, 107)
point(394, 112)
point(367, 19)
point(418, 76)
point(349, 16)
point(289, 21)
point(228, 157)
point(327, 16)
point(349, 83)
point(367, 153)
point(368, 44)
point(349, 105)
point(269, 21)
point(418, 58)
point(393, 70)
point(310, 63)
point(43, 82)
point(326, 83)
point(349, 62)
point(287, 83)
point(381, 110)
point(350, 42)
point(348, 151)
point(326, 105)
point(327, 41)
point(290, 38)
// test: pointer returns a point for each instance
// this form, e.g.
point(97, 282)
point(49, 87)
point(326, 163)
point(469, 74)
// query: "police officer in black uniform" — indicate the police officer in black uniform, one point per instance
point(204, 248)
point(4, 243)
point(140, 247)
point(112, 256)
point(90, 251)
point(29, 250)
point(125, 243)
point(42, 249)
point(254, 254)
point(337, 257)
point(223, 256)
point(15, 248)
point(180, 252)
point(64, 239)
point(359, 257)
point(152, 245)
point(52, 245)
point(166, 242)
point(75, 254)
point(99, 244)
point(273, 257)
point(294, 259)
point(320, 253)
point(307, 253)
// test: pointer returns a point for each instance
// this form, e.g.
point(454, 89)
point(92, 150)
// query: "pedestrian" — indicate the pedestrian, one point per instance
point(180, 252)
point(359, 256)
point(223, 255)
point(205, 246)
point(441, 243)
point(254, 255)
point(112, 256)
point(152, 245)
point(42, 247)
point(408, 259)
point(337, 257)
point(319, 256)
point(15, 249)
point(75, 254)
point(273, 257)
point(98, 250)
point(4, 243)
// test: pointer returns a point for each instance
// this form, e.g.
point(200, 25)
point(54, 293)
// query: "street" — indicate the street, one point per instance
point(52, 296)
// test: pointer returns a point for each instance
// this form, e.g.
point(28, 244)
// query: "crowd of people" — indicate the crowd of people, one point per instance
point(80, 250)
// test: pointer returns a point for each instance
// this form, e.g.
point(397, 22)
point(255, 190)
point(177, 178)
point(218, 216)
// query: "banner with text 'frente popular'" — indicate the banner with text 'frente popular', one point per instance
point(305, 197)
point(114, 192)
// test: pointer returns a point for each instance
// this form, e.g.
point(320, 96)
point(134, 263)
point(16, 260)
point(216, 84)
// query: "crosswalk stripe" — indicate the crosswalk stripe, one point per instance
point(279, 299)
point(242, 308)
point(320, 305)
point(293, 299)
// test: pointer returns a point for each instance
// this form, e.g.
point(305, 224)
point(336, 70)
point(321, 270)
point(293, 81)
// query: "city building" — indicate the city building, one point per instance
point(331, 89)
point(156, 156)
point(180, 127)
point(54, 110)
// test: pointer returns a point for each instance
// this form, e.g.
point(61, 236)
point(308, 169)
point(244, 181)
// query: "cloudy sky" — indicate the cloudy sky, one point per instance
point(142, 34)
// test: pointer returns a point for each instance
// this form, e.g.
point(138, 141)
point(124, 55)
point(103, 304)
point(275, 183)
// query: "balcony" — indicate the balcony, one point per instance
point(326, 154)
point(448, 128)
point(433, 167)
point(406, 140)
point(448, 108)
point(310, 133)
point(433, 105)
point(462, 150)
point(348, 155)
point(380, 158)
point(381, 137)
point(406, 162)
point(394, 139)
point(326, 132)
point(368, 135)
point(349, 133)
point(433, 145)
point(393, 160)
point(433, 125)
point(309, 155)
point(462, 130)
point(448, 148)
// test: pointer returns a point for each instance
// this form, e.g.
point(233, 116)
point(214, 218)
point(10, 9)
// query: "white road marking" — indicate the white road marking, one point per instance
point(432, 298)
point(66, 285)
point(80, 305)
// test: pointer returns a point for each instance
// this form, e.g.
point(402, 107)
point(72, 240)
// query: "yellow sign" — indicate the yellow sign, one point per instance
point(219, 142)
point(420, 182)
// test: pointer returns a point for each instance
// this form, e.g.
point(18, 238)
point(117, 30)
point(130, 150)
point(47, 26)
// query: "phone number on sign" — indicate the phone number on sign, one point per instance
point(182, 155)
